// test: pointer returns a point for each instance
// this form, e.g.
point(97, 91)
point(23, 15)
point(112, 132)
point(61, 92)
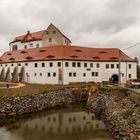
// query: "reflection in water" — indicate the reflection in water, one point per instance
point(7, 135)
point(59, 125)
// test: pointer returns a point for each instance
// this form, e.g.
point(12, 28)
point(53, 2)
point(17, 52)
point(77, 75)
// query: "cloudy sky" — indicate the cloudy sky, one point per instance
point(94, 23)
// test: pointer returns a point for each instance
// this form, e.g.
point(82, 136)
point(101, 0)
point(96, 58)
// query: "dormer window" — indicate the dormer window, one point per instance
point(12, 59)
point(29, 58)
point(102, 52)
point(113, 58)
point(23, 52)
point(78, 50)
point(42, 50)
point(74, 56)
point(9, 54)
point(50, 56)
point(96, 57)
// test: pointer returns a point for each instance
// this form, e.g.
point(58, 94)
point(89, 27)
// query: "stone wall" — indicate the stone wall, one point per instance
point(26, 104)
point(120, 114)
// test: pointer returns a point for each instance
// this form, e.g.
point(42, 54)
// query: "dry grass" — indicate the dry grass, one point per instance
point(135, 97)
point(30, 89)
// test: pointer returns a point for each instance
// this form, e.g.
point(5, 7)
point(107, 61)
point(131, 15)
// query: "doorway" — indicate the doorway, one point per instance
point(115, 78)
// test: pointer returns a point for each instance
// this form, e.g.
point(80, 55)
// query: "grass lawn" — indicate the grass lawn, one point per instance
point(30, 89)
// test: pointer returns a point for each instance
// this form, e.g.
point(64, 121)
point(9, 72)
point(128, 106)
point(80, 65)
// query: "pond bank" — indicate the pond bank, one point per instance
point(19, 105)
point(120, 114)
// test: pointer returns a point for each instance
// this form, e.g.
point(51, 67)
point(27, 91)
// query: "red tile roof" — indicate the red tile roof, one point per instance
point(61, 52)
point(29, 37)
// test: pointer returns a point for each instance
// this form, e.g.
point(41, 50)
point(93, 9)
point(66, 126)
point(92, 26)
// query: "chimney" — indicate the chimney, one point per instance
point(28, 32)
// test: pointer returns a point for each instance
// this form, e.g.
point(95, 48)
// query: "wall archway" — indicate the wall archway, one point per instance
point(115, 78)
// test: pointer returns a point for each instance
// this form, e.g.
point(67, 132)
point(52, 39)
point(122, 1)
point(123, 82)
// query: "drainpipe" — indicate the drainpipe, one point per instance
point(62, 72)
point(119, 82)
point(126, 71)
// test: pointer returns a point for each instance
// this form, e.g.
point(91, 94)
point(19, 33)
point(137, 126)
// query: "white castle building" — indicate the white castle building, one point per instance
point(47, 57)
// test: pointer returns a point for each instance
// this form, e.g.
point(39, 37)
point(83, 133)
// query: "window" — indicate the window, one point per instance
point(73, 64)
point(19, 64)
point(43, 64)
point(78, 64)
point(59, 64)
point(54, 32)
point(37, 45)
point(112, 66)
point(97, 65)
point(96, 73)
point(54, 74)
point(88, 69)
point(117, 66)
point(66, 64)
point(129, 75)
point(50, 40)
point(49, 74)
point(40, 74)
point(5, 65)
point(70, 119)
point(129, 66)
point(74, 74)
point(84, 74)
point(85, 64)
point(26, 64)
point(92, 117)
point(74, 119)
point(35, 65)
point(84, 117)
point(47, 33)
point(14, 47)
point(25, 46)
point(97, 125)
point(107, 66)
point(34, 74)
point(51, 64)
point(91, 65)
point(70, 74)
point(66, 42)
point(12, 64)
point(122, 74)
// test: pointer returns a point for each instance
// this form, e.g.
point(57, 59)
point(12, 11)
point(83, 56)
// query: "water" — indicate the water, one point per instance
point(72, 123)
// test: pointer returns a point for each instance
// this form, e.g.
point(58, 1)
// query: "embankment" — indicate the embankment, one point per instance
point(32, 103)
point(120, 114)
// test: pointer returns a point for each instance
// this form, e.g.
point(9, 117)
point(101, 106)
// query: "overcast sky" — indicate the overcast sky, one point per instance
point(94, 23)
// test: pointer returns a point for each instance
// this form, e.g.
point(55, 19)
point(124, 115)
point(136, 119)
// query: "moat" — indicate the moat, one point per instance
point(71, 123)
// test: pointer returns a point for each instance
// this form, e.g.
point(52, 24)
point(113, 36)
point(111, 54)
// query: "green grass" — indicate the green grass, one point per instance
point(30, 89)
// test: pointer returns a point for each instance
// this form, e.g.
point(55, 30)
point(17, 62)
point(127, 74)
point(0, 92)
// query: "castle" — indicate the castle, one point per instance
point(47, 57)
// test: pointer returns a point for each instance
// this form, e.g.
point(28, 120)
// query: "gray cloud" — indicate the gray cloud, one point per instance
point(95, 23)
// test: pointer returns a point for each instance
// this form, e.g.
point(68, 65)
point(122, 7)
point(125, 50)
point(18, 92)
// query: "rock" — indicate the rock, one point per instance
point(24, 104)
point(118, 111)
